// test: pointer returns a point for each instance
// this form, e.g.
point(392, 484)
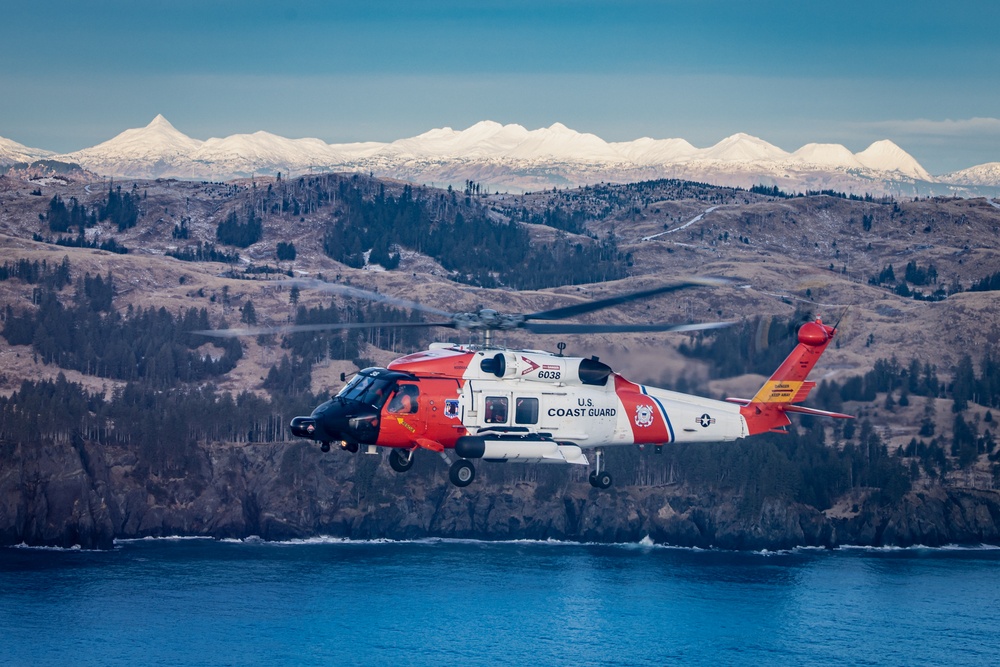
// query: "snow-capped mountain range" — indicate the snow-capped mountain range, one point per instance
point(511, 157)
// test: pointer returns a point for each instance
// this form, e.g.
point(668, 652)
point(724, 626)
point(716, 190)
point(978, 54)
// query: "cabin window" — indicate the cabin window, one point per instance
point(496, 409)
point(526, 411)
point(405, 399)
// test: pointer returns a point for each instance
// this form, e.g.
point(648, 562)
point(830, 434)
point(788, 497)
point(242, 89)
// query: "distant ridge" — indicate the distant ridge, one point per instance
point(983, 174)
point(511, 157)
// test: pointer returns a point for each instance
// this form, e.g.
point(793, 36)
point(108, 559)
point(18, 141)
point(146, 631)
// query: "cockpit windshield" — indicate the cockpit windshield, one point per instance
point(368, 387)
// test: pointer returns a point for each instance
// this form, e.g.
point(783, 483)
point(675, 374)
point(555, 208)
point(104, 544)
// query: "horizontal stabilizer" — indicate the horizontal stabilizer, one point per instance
point(816, 413)
point(798, 409)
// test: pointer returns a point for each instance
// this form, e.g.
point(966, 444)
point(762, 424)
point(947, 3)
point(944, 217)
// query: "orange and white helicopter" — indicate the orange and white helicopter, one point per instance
point(502, 405)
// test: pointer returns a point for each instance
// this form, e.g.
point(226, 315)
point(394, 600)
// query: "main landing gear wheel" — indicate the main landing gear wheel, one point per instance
point(324, 447)
point(462, 473)
point(351, 447)
point(600, 480)
point(401, 460)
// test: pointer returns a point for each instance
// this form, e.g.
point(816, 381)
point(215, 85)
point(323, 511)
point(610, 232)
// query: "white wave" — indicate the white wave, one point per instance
point(164, 538)
point(32, 547)
point(645, 544)
point(347, 541)
point(920, 547)
point(973, 547)
point(249, 539)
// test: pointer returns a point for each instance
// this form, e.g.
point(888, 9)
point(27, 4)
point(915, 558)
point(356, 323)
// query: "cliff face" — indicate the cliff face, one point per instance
point(78, 493)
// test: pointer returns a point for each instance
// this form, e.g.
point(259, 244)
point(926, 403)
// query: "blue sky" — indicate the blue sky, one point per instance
point(924, 74)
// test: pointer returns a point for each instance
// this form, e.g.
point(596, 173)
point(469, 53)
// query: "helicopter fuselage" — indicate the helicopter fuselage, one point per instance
point(562, 405)
point(535, 406)
point(573, 401)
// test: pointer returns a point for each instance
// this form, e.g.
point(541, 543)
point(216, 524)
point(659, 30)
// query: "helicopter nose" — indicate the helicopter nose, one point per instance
point(303, 427)
point(329, 421)
point(338, 420)
point(325, 424)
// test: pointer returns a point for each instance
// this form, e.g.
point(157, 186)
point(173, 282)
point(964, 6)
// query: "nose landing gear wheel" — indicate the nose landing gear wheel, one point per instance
point(324, 447)
point(462, 473)
point(401, 460)
point(600, 480)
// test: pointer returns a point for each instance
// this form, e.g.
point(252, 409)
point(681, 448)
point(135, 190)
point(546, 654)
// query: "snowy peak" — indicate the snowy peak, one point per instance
point(158, 136)
point(742, 147)
point(12, 152)
point(160, 123)
point(484, 139)
point(263, 151)
point(157, 139)
point(888, 157)
point(983, 174)
point(158, 149)
point(827, 155)
point(558, 142)
point(647, 151)
point(491, 140)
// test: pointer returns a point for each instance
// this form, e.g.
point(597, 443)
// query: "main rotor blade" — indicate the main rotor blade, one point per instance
point(591, 306)
point(570, 328)
point(333, 326)
point(358, 293)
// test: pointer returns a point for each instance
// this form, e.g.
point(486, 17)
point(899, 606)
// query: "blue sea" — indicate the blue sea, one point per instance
point(332, 602)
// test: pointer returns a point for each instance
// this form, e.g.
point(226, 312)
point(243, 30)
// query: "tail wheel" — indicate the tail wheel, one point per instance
point(401, 460)
point(462, 473)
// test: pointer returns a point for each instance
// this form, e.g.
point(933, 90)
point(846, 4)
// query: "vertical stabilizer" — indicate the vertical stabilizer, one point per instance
point(766, 411)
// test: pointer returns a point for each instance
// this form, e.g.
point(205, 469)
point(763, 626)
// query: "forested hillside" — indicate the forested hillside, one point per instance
point(103, 370)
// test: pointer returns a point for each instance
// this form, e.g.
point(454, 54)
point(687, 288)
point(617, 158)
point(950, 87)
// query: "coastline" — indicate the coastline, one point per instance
point(90, 496)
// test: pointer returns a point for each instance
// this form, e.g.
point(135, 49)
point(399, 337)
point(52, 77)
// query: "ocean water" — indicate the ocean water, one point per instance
point(329, 602)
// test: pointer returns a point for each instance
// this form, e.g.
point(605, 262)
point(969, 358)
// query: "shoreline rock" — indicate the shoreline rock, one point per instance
point(82, 494)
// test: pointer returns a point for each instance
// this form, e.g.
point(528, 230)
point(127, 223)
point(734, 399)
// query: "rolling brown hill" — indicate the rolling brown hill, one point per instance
point(810, 251)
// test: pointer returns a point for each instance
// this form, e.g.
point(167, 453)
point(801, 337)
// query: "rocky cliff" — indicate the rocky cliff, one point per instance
point(80, 493)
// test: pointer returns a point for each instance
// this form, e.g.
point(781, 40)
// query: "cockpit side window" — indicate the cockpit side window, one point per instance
point(404, 401)
point(353, 386)
point(377, 394)
point(367, 389)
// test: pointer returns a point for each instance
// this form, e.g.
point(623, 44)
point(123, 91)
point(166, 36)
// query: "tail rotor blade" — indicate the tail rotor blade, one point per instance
point(842, 316)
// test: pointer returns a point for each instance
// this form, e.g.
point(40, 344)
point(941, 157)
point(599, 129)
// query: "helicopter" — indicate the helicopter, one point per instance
point(485, 403)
